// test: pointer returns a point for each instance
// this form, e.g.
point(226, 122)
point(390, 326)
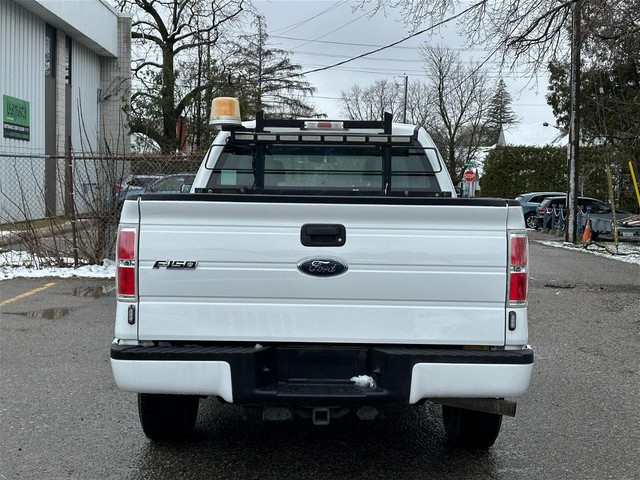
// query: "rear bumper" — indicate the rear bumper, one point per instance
point(320, 375)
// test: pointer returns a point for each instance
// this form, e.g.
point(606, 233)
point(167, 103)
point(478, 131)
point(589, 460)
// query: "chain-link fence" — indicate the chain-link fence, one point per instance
point(68, 207)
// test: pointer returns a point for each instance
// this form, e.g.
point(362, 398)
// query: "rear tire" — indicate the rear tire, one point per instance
point(167, 417)
point(471, 429)
point(530, 221)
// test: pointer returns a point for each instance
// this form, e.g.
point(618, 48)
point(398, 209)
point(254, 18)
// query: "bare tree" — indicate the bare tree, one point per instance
point(420, 102)
point(451, 104)
point(461, 99)
point(370, 103)
point(164, 31)
point(529, 32)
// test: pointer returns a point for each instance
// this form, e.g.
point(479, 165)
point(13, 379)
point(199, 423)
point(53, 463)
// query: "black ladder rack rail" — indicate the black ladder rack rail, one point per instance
point(385, 125)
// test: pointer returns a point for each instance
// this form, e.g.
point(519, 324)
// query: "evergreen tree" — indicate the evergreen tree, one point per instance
point(267, 78)
point(499, 113)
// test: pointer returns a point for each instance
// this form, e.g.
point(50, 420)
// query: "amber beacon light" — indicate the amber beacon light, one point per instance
point(225, 111)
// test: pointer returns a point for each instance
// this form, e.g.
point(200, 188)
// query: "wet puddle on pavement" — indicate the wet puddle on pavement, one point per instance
point(98, 291)
point(47, 314)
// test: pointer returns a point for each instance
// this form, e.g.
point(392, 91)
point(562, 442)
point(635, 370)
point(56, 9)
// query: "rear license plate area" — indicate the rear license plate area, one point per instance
point(320, 365)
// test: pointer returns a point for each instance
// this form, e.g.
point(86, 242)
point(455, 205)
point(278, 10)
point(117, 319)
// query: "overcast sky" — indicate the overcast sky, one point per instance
point(321, 33)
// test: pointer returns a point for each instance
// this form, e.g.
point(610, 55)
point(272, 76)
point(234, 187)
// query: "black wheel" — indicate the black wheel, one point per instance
point(167, 417)
point(471, 429)
point(530, 221)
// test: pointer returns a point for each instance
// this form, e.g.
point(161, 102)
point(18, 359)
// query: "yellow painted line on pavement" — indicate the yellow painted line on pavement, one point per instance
point(26, 294)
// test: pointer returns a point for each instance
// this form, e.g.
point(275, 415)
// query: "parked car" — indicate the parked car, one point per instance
point(585, 204)
point(171, 183)
point(133, 183)
point(530, 202)
point(161, 184)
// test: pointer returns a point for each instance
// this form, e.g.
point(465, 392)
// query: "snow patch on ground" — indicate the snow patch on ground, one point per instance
point(15, 264)
point(626, 252)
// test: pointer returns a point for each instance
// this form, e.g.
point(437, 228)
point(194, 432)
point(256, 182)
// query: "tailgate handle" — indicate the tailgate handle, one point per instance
point(323, 235)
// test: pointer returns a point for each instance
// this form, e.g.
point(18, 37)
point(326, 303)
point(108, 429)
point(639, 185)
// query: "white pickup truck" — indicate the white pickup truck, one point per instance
point(321, 267)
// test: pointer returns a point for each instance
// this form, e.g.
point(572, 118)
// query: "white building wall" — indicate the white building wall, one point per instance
point(85, 83)
point(21, 162)
point(93, 22)
point(85, 125)
point(98, 40)
point(22, 71)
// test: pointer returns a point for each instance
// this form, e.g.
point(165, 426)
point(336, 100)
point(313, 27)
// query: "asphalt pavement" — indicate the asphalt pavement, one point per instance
point(62, 417)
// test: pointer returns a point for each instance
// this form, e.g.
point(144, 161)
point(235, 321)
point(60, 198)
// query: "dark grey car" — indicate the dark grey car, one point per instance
point(530, 202)
point(167, 184)
point(173, 183)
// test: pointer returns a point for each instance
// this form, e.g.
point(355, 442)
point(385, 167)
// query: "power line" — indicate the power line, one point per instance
point(390, 71)
point(302, 22)
point(371, 45)
point(377, 59)
point(387, 59)
point(332, 31)
point(366, 54)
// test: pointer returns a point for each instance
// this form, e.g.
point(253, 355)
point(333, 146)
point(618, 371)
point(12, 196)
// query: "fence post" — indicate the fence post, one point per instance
point(72, 207)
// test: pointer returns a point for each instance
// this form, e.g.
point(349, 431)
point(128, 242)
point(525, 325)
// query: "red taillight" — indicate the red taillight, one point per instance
point(117, 188)
point(518, 251)
point(518, 259)
point(518, 287)
point(126, 263)
point(126, 281)
point(126, 244)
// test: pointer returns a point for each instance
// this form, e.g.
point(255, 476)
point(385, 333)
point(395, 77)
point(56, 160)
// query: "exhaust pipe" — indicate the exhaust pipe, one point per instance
point(367, 412)
point(276, 414)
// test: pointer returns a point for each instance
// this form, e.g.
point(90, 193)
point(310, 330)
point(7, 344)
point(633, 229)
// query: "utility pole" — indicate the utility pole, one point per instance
point(406, 87)
point(260, 46)
point(574, 125)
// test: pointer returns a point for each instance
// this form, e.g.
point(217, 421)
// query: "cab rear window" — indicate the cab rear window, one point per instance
point(326, 169)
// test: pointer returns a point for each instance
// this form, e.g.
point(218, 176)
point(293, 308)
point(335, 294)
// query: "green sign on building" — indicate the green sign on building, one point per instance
point(15, 118)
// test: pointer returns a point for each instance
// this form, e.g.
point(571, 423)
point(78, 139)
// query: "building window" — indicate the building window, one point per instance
point(50, 51)
point(67, 62)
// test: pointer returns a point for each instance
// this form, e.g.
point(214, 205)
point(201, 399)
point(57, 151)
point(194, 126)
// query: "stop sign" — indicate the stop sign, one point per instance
point(469, 176)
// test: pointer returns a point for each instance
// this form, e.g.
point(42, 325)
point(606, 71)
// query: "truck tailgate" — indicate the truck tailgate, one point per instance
point(417, 274)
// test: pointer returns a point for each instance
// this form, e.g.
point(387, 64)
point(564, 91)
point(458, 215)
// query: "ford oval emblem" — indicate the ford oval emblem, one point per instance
point(322, 267)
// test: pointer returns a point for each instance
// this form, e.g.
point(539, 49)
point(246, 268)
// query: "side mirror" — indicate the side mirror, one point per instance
point(186, 188)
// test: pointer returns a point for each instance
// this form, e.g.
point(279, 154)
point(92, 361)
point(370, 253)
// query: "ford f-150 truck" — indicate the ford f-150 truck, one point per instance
point(318, 268)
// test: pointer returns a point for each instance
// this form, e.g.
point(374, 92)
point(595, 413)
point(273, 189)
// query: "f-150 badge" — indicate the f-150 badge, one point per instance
point(176, 264)
point(322, 267)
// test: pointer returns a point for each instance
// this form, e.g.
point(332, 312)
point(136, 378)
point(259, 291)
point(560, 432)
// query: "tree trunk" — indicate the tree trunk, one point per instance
point(167, 96)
